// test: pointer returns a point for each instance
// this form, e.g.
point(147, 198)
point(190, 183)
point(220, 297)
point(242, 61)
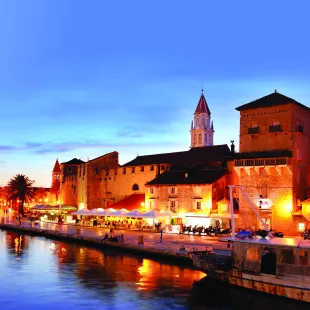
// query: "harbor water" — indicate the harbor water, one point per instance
point(40, 273)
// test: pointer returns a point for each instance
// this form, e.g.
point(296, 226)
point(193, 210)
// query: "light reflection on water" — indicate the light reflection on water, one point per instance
point(39, 273)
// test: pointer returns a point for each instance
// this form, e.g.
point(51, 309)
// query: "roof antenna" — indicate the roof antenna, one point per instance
point(275, 91)
point(202, 89)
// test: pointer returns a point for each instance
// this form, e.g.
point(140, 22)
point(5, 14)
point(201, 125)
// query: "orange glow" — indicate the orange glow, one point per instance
point(285, 206)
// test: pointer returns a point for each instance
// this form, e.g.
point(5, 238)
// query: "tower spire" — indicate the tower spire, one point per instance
point(202, 128)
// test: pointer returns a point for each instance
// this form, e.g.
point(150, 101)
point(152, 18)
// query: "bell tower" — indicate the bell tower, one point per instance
point(202, 126)
point(56, 172)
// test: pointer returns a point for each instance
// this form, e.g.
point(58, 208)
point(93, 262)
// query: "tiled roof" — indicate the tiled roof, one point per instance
point(130, 203)
point(188, 177)
point(202, 106)
point(56, 166)
point(74, 161)
point(263, 154)
point(192, 156)
point(270, 100)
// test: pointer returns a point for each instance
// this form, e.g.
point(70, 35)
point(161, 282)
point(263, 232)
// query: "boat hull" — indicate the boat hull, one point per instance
point(270, 284)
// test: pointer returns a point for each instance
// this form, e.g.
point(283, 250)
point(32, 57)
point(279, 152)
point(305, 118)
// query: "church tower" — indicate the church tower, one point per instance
point(55, 188)
point(56, 172)
point(202, 127)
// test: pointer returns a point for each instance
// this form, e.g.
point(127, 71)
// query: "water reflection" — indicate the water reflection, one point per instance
point(38, 272)
point(55, 274)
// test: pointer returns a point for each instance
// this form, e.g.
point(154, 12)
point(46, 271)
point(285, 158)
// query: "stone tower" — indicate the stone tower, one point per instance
point(56, 172)
point(54, 190)
point(202, 126)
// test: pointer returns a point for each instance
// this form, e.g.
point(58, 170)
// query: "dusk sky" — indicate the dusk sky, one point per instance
point(85, 78)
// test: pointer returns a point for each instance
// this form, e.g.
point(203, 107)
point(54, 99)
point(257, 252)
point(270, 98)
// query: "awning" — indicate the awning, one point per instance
point(83, 211)
point(134, 213)
point(132, 202)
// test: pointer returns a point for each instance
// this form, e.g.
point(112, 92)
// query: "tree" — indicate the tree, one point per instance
point(20, 188)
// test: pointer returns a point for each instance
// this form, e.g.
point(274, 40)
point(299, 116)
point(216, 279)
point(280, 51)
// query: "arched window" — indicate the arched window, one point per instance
point(200, 139)
point(264, 190)
point(135, 187)
point(195, 139)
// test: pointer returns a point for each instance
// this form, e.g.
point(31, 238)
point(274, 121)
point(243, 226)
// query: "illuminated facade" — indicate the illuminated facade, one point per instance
point(273, 161)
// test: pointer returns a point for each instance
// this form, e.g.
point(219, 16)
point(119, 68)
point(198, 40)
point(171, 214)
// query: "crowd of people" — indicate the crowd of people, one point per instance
point(112, 237)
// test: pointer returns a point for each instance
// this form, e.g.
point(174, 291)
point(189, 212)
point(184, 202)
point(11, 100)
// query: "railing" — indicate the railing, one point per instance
point(263, 162)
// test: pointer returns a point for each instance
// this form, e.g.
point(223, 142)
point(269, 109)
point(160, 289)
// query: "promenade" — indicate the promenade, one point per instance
point(170, 245)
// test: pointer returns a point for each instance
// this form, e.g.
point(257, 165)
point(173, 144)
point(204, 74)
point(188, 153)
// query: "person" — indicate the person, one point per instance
point(106, 236)
point(121, 238)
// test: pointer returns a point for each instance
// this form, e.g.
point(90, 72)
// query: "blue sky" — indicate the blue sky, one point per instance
point(85, 78)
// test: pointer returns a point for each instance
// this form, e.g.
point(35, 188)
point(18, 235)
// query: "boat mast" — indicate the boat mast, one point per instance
point(251, 204)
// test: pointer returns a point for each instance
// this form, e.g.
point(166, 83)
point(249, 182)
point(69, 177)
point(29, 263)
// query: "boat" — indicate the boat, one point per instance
point(277, 266)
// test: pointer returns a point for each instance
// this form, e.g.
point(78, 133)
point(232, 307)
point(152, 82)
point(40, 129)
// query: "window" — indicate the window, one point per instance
point(300, 128)
point(198, 205)
point(133, 170)
point(124, 170)
point(152, 168)
point(304, 257)
point(69, 169)
point(174, 206)
point(162, 167)
point(200, 139)
point(264, 191)
point(172, 190)
point(96, 171)
point(135, 187)
point(275, 127)
point(152, 190)
point(253, 130)
point(287, 257)
point(195, 139)
point(141, 169)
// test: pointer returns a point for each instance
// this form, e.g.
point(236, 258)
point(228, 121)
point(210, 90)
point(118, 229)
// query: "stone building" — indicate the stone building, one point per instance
point(273, 162)
point(81, 181)
point(193, 193)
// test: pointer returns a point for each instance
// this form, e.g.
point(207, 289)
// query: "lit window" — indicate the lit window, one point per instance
point(301, 227)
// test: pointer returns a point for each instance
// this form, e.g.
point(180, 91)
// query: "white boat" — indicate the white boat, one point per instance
point(277, 266)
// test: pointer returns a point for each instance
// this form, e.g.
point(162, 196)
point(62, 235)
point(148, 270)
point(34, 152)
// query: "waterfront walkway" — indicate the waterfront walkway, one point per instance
point(169, 244)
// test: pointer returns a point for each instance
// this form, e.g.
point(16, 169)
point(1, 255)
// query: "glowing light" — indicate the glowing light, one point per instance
point(301, 227)
point(142, 204)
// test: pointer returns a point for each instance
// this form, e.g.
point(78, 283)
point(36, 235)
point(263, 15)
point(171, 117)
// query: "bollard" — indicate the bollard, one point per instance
point(140, 240)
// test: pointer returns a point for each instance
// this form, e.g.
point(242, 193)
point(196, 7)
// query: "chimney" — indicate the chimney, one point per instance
point(158, 171)
point(232, 147)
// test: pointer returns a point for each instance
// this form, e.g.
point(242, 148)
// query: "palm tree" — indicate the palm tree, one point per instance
point(20, 188)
